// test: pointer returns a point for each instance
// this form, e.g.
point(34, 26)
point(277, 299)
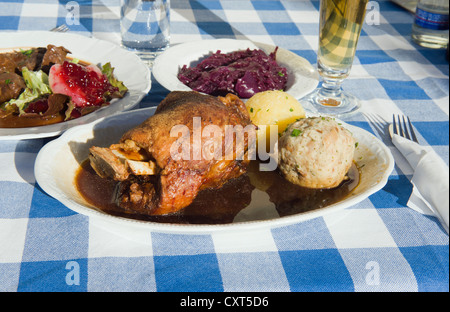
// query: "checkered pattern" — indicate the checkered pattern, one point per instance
point(377, 245)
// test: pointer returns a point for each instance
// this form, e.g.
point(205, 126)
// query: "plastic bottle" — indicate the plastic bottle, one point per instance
point(431, 23)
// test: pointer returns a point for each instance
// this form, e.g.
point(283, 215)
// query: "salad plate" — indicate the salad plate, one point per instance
point(127, 67)
point(59, 161)
point(303, 78)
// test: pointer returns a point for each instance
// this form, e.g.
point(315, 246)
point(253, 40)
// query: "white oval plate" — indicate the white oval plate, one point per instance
point(58, 161)
point(128, 68)
point(303, 77)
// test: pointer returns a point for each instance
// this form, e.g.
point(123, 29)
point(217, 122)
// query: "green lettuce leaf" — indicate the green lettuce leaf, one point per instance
point(109, 72)
point(37, 86)
point(37, 80)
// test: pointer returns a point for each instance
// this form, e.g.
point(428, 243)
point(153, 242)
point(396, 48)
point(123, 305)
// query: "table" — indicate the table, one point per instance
point(377, 245)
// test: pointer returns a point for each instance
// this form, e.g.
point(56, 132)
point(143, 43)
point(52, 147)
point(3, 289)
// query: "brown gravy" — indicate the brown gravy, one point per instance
point(220, 206)
point(16, 121)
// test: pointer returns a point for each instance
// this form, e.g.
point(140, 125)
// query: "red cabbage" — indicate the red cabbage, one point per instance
point(243, 73)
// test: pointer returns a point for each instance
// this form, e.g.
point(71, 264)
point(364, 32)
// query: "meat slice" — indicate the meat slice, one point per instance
point(53, 55)
point(11, 85)
point(117, 162)
point(15, 61)
point(7, 62)
point(176, 181)
point(107, 164)
point(33, 59)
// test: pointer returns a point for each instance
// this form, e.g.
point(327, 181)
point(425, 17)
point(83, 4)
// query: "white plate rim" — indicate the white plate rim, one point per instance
point(303, 78)
point(43, 164)
point(88, 49)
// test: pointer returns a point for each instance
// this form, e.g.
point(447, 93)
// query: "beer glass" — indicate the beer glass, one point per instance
point(339, 30)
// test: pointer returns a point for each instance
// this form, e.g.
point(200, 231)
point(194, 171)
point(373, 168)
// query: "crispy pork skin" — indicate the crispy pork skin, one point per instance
point(172, 183)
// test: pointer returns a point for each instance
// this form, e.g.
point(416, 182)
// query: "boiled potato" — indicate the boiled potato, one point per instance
point(273, 108)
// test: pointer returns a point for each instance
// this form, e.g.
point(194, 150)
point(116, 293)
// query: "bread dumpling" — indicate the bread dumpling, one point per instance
point(316, 152)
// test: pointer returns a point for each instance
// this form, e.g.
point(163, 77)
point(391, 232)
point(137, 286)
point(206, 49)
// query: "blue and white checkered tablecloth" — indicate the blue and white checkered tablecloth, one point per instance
point(377, 245)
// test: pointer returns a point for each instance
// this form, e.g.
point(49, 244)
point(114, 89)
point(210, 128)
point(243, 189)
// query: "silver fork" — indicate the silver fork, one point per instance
point(60, 28)
point(403, 127)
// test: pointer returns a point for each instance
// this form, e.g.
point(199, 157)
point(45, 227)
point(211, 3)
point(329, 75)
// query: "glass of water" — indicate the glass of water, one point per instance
point(145, 27)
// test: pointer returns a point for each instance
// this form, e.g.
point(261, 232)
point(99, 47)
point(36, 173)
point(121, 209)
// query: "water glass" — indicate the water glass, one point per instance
point(145, 26)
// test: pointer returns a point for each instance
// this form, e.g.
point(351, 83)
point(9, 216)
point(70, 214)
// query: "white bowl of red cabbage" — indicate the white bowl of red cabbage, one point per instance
point(241, 67)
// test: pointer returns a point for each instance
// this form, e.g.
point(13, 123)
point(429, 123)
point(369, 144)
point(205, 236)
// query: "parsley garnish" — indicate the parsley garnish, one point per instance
point(296, 132)
point(26, 52)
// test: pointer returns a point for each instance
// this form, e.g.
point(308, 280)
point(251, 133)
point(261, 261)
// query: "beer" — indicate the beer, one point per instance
point(340, 27)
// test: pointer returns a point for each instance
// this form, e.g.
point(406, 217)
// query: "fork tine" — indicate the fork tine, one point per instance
point(402, 126)
point(406, 131)
point(413, 134)
point(394, 125)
